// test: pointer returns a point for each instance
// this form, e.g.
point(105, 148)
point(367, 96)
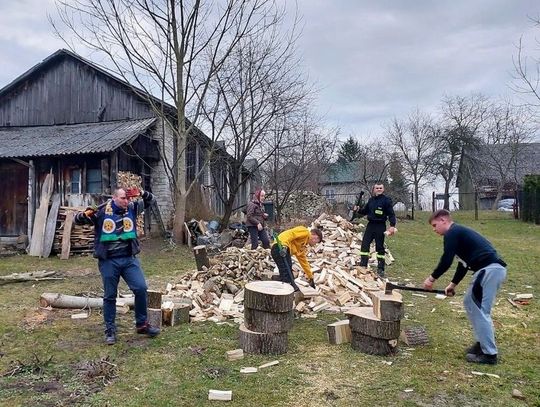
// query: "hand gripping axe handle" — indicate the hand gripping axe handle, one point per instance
point(391, 286)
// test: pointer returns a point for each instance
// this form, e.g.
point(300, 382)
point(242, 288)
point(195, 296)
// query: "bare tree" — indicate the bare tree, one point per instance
point(170, 48)
point(501, 160)
point(300, 160)
point(460, 127)
point(413, 141)
point(255, 91)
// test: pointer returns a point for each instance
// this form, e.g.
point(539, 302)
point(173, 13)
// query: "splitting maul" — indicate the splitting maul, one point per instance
point(391, 286)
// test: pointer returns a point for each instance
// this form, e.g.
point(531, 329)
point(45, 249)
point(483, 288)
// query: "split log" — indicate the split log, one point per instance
point(36, 242)
point(154, 299)
point(154, 317)
point(179, 314)
point(372, 346)
point(234, 354)
point(339, 332)
point(271, 296)
point(269, 322)
point(57, 300)
point(388, 307)
point(363, 320)
point(264, 343)
point(222, 395)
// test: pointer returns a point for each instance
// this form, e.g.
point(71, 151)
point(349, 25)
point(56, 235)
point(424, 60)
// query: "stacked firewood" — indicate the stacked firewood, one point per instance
point(217, 292)
point(82, 236)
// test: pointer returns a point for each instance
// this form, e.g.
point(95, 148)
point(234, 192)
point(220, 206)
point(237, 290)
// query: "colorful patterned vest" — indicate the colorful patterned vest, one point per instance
point(118, 226)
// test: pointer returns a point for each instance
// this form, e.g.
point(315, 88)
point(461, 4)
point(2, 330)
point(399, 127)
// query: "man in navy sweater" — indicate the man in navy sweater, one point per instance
point(474, 252)
point(378, 209)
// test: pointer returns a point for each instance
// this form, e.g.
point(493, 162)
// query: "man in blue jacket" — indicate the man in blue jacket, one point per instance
point(378, 210)
point(115, 247)
point(474, 252)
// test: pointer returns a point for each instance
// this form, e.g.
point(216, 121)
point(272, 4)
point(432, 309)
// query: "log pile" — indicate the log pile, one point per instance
point(81, 237)
point(268, 316)
point(375, 330)
point(217, 292)
point(127, 180)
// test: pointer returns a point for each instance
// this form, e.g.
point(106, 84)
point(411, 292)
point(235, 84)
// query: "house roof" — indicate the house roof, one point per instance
point(38, 141)
point(353, 172)
point(485, 162)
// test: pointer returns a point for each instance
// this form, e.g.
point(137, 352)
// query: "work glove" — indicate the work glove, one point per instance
point(133, 192)
point(311, 283)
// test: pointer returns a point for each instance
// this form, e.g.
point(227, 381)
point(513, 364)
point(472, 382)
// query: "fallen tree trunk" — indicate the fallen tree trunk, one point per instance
point(57, 300)
point(32, 276)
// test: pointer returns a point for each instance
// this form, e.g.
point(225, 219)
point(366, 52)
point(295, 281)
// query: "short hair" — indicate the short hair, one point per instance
point(441, 213)
point(317, 232)
point(117, 190)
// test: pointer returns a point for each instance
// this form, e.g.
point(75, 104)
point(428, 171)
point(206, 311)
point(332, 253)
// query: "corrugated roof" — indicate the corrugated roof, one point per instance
point(38, 141)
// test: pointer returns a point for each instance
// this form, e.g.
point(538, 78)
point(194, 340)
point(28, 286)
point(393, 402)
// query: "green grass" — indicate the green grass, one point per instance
point(181, 365)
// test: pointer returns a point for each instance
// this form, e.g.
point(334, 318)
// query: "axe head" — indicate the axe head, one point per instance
point(388, 287)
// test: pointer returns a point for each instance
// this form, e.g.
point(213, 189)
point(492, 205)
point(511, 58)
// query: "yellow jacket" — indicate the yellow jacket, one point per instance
point(297, 239)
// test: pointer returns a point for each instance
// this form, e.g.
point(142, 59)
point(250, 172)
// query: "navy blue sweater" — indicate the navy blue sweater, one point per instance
point(473, 250)
point(379, 209)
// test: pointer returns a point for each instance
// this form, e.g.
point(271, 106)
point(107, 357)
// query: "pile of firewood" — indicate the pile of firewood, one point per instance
point(217, 292)
point(129, 180)
point(81, 236)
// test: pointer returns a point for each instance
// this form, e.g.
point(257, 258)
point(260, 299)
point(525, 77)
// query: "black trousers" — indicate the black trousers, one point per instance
point(374, 230)
point(256, 234)
point(284, 264)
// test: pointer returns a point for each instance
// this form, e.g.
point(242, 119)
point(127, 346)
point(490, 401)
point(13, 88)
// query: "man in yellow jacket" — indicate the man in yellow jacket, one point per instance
point(294, 241)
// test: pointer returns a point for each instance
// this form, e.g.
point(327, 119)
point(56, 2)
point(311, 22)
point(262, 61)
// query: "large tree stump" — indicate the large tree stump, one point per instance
point(363, 320)
point(271, 296)
point(269, 322)
point(264, 343)
point(373, 346)
point(388, 307)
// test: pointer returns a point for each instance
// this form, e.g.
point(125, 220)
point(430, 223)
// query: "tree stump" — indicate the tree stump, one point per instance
point(388, 307)
point(262, 342)
point(372, 346)
point(269, 322)
point(201, 257)
point(339, 332)
point(271, 296)
point(154, 299)
point(363, 320)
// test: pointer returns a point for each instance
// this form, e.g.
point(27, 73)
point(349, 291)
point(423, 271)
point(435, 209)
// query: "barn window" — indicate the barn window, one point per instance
point(93, 181)
point(76, 181)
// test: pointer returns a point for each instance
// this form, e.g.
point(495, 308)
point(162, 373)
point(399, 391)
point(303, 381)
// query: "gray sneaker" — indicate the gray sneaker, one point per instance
point(110, 337)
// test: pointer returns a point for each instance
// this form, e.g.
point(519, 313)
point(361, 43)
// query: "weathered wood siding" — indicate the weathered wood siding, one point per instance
point(69, 92)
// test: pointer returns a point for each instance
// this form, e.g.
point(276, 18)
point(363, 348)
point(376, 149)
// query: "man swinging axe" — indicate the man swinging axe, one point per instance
point(474, 252)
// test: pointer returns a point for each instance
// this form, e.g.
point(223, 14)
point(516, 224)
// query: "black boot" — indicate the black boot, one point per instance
point(380, 268)
point(482, 358)
point(363, 261)
point(475, 349)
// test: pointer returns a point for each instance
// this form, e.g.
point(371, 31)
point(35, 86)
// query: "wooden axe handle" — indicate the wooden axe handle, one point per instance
point(391, 286)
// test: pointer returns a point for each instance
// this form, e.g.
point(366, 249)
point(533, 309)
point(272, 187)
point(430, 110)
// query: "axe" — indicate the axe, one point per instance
point(391, 286)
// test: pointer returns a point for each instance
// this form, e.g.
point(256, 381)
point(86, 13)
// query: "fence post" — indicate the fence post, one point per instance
point(475, 204)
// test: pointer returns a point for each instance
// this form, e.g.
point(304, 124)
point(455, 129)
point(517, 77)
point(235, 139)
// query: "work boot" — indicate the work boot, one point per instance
point(363, 261)
point(475, 349)
point(482, 358)
point(380, 269)
point(110, 336)
point(148, 329)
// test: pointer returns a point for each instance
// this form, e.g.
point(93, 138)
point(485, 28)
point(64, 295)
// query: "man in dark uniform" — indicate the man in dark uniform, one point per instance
point(474, 252)
point(115, 247)
point(378, 209)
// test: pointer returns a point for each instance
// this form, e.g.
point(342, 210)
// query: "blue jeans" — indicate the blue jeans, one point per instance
point(478, 302)
point(129, 268)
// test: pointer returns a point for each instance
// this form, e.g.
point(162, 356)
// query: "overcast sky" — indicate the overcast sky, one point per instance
point(371, 59)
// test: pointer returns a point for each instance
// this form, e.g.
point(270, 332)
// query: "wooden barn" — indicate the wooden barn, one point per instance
point(70, 117)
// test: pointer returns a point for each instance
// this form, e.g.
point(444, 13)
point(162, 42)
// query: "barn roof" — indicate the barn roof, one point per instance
point(38, 141)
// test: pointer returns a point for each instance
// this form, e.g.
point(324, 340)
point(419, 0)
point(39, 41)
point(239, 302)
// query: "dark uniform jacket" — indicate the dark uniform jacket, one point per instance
point(379, 209)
